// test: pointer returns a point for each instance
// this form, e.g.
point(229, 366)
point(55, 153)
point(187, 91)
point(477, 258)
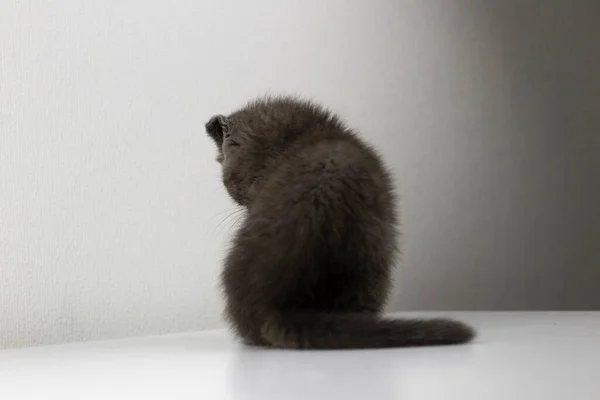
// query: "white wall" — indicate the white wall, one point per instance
point(110, 201)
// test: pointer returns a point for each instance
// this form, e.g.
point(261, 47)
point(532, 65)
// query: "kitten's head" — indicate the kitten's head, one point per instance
point(239, 154)
point(252, 138)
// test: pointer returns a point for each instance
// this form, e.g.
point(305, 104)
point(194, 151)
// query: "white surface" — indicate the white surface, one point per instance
point(527, 356)
point(110, 198)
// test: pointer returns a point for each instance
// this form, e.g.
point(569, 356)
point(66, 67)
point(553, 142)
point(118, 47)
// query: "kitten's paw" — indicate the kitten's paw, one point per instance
point(277, 336)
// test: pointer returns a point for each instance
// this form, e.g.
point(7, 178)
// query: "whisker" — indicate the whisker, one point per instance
point(229, 210)
point(236, 221)
point(234, 213)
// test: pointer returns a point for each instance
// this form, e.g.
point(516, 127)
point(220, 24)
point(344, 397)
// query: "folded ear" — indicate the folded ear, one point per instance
point(216, 127)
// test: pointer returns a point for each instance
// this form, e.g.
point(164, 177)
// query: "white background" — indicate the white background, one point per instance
point(110, 198)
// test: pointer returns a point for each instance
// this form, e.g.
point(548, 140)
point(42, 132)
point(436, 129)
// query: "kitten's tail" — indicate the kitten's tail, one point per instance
point(362, 331)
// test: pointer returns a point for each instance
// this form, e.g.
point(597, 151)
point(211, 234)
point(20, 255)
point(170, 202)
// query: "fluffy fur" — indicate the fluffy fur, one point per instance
point(310, 267)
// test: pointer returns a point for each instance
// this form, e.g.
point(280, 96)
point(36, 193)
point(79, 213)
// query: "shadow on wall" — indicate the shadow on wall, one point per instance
point(531, 175)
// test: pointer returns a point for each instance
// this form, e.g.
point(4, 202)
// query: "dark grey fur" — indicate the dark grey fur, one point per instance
point(310, 267)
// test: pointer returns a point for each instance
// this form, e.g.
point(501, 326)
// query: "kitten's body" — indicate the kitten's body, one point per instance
point(311, 265)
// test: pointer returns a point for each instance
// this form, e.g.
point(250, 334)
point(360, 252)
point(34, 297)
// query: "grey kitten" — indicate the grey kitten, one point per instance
point(310, 268)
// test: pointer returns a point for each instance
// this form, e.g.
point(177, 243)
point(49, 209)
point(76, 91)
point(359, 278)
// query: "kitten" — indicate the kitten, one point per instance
point(310, 268)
